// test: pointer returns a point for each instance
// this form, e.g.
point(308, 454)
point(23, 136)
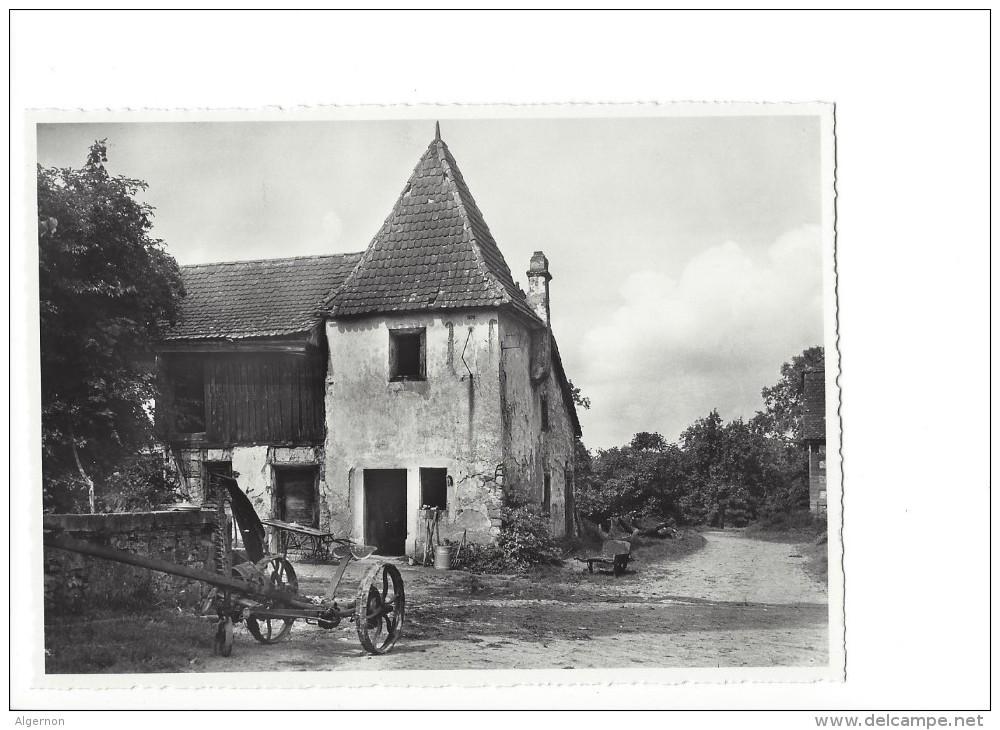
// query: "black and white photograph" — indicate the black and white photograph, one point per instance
point(379, 395)
point(393, 381)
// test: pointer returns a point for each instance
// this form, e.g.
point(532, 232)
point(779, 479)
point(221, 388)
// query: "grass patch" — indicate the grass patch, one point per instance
point(797, 527)
point(816, 564)
point(167, 641)
point(653, 548)
point(686, 542)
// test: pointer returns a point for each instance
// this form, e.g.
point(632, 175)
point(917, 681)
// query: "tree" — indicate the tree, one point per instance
point(736, 474)
point(646, 441)
point(706, 480)
point(782, 415)
point(644, 479)
point(107, 291)
point(720, 473)
point(578, 398)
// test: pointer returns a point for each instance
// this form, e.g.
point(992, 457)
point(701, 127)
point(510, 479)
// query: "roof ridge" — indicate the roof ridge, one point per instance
point(261, 298)
point(274, 260)
point(482, 265)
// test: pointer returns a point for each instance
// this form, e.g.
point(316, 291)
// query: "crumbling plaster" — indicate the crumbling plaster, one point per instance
point(530, 452)
point(450, 420)
point(253, 467)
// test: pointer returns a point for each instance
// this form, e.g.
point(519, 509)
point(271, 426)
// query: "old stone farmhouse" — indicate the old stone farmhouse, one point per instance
point(350, 390)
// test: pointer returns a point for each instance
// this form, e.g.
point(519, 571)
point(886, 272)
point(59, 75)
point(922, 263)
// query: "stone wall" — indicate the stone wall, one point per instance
point(75, 583)
point(531, 452)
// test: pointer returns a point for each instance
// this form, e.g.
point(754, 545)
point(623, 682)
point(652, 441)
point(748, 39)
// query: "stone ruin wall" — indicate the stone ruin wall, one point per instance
point(75, 583)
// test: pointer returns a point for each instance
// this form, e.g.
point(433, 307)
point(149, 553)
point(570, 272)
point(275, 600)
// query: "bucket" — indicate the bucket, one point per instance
point(442, 557)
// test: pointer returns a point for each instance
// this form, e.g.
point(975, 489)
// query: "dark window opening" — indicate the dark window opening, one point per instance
point(296, 495)
point(547, 493)
point(211, 469)
point(545, 413)
point(406, 354)
point(189, 397)
point(434, 488)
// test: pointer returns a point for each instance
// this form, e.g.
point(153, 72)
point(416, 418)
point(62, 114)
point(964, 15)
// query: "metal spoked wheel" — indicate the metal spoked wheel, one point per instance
point(223, 643)
point(379, 612)
point(278, 573)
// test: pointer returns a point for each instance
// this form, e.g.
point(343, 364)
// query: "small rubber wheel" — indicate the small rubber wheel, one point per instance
point(278, 573)
point(379, 613)
point(223, 644)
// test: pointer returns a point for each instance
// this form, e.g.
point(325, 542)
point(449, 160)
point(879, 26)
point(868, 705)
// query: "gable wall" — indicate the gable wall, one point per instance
point(450, 420)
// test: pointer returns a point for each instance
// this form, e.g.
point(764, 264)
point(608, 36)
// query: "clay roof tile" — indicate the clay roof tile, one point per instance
point(437, 222)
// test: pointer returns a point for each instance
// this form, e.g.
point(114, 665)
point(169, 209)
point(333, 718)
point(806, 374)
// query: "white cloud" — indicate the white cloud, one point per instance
point(333, 227)
point(711, 337)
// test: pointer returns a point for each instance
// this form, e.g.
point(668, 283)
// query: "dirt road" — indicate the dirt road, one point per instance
point(736, 602)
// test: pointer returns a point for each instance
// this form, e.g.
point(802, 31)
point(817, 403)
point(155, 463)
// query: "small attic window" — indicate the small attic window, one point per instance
point(407, 358)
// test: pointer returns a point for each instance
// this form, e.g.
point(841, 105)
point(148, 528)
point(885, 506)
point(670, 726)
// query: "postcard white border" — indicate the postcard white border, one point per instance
point(912, 95)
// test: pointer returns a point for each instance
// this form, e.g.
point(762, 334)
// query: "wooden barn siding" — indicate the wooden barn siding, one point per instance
point(264, 399)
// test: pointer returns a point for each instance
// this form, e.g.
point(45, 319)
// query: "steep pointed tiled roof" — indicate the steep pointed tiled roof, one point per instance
point(433, 252)
point(264, 298)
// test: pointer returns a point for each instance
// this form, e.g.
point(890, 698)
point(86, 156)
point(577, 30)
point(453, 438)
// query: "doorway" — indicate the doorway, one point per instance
point(385, 510)
point(296, 494)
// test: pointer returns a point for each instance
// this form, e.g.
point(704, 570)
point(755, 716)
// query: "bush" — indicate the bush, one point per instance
point(524, 542)
point(482, 559)
point(139, 484)
point(143, 483)
point(64, 494)
point(789, 522)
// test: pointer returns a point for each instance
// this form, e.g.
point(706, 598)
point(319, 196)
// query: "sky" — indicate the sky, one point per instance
point(685, 252)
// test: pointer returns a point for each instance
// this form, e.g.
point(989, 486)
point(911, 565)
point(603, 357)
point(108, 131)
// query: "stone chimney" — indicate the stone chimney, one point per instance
point(538, 286)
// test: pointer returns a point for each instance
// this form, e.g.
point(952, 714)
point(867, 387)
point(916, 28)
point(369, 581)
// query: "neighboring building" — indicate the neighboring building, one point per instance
point(814, 435)
point(348, 391)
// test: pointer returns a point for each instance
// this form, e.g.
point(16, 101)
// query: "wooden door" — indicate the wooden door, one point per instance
point(385, 510)
point(297, 495)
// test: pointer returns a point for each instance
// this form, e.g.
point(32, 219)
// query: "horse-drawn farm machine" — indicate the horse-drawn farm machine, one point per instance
point(252, 586)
